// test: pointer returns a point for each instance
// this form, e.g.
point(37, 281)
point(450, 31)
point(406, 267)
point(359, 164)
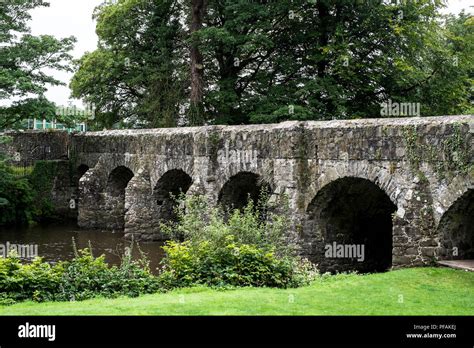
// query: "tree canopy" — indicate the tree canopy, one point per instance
point(134, 74)
point(23, 58)
point(269, 61)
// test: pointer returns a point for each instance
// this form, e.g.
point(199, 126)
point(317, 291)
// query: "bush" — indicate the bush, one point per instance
point(245, 248)
point(264, 225)
point(234, 265)
point(83, 277)
point(16, 198)
point(86, 276)
point(25, 192)
point(240, 249)
point(36, 281)
point(26, 197)
point(16, 195)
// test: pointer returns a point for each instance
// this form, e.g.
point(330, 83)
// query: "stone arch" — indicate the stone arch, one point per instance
point(456, 229)
point(355, 214)
point(444, 195)
point(117, 182)
point(395, 185)
point(235, 193)
point(170, 186)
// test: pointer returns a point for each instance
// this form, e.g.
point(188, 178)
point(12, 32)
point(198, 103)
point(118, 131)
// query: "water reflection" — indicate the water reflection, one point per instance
point(55, 243)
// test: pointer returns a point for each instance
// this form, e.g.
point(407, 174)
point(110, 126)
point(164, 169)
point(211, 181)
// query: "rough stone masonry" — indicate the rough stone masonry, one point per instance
point(403, 187)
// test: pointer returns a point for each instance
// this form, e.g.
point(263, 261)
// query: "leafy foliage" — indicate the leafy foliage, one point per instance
point(83, 277)
point(235, 264)
point(22, 60)
point(198, 222)
point(16, 194)
point(25, 195)
point(42, 180)
point(269, 61)
point(37, 281)
point(134, 75)
point(243, 249)
point(238, 250)
point(87, 276)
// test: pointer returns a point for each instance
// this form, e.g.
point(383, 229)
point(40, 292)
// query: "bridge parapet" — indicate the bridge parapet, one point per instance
point(387, 184)
point(401, 174)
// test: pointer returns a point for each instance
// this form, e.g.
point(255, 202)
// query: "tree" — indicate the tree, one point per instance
point(197, 67)
point(135, 75)
point(240, 61)
point(448, 89)
point(23, 58)
point(354, 56)
point(249, 49)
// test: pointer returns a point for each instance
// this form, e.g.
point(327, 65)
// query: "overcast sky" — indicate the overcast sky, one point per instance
point(74, 17)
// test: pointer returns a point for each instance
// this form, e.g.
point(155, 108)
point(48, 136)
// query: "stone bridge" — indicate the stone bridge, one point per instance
point(402, 188)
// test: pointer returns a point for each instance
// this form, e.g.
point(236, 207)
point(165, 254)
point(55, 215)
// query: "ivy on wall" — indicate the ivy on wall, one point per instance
point(449, 156)
point(16, 198)
point(304, 177)
point(15, 192)
point(213, 144)
point(42, 180)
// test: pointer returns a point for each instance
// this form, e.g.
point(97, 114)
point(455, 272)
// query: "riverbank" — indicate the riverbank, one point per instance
point(54, 242)
point(415, 291)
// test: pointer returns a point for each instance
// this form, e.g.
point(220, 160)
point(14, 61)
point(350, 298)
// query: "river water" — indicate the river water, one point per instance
point(54, 243)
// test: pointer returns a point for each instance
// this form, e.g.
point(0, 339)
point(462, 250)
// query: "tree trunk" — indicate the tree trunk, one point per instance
point(323, 13)
point(197, 68)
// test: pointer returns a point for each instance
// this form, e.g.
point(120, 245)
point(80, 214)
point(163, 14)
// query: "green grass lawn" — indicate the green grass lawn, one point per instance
point(415, 291)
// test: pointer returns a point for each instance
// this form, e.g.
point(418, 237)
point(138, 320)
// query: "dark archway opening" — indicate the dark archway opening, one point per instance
point(236, 192)
point(167, 190)
point(351, 227)
point(456, 229)
point(118, 181)
point(115, 196)
point(80, 171)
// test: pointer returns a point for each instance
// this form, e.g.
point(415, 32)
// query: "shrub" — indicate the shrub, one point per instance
point(25, 192)
point(87, 276)
point(26, 197)
point(16, 198)
point(197, 222)
point(37, 281)
point(189, 264)
point(83, 277)
point(243, 248)
point(16, 195)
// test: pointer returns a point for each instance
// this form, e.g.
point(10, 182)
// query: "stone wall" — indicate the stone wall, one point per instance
point(30, 146)
point(406, 174)
point(382, 183)
point(26, 148)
